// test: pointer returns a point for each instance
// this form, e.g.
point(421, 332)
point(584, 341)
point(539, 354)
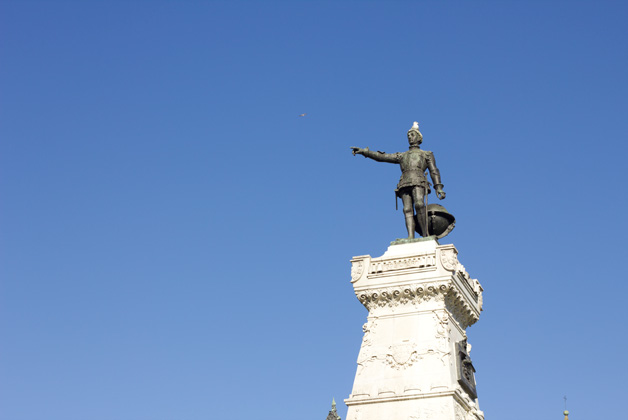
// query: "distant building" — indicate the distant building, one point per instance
point(333, 415)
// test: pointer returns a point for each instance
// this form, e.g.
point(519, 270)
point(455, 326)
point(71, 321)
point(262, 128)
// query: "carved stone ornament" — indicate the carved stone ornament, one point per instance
point(369, 331)
point(357, 268)
point(402, 356)
point(445, 291)
point(442, 327)
point(421, 261)
point(460, 309)
point(466, 371)
point(449, 259)
point(401, 295)
point(461, 413)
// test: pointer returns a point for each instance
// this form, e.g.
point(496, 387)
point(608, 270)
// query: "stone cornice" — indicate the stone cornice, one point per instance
point(458, 306)
point(415, 294)
point(402, 294)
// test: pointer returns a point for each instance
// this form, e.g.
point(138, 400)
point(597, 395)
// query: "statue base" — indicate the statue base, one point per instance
point(401, 241)
point(414, 360)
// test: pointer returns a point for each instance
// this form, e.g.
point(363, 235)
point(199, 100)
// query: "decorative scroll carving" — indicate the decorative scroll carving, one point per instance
point(394, 296)
point(455, 302)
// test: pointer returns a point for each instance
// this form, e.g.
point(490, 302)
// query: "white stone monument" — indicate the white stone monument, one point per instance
point(414, 360)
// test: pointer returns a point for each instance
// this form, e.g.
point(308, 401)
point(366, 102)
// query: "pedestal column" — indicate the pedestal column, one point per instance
point(414, 361)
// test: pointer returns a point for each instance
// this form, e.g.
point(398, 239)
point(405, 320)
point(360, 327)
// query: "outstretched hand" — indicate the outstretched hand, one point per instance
point(357, 151)
point(441, 194)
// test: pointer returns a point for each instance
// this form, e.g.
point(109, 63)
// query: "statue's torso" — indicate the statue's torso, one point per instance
point(413, 165)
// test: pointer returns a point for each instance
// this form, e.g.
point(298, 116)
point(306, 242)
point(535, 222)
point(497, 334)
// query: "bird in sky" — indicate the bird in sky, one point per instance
point(302, 115)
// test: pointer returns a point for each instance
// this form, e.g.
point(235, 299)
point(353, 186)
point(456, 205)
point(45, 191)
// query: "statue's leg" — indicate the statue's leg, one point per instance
point(408, 212)
point(419, 206)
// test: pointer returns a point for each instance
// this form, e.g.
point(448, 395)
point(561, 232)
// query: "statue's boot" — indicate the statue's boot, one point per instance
point(410, 226)
point(422, 223)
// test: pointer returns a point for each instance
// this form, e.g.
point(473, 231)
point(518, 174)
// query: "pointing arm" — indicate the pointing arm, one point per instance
point(378, 156)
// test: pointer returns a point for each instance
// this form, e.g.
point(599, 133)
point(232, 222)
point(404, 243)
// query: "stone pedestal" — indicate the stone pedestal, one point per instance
point(414, 361)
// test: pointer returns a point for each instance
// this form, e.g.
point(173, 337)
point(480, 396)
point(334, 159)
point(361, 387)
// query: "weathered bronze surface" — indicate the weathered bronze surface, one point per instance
point(413, 187)
point(440, 221)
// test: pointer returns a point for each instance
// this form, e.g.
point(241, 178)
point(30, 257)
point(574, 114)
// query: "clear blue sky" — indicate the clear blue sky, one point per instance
point(176, 240)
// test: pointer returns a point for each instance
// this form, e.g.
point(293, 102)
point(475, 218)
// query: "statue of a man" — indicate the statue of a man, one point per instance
point(413, 186)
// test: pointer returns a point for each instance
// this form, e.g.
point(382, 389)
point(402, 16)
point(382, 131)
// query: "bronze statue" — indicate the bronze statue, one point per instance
point(413, 186)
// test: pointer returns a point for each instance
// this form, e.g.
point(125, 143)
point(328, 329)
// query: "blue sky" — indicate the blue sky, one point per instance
point(176, 240)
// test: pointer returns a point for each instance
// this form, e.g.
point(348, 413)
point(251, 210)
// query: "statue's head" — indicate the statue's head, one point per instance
point(415, 138)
